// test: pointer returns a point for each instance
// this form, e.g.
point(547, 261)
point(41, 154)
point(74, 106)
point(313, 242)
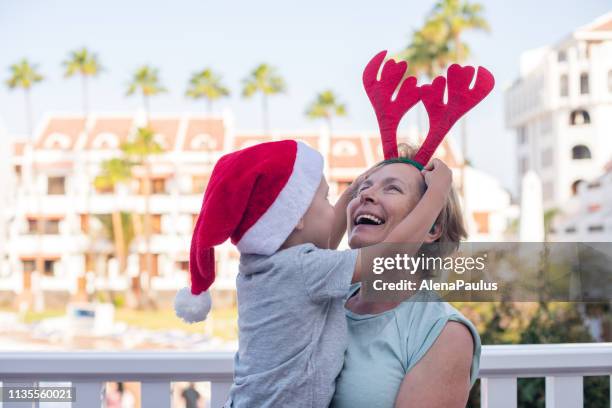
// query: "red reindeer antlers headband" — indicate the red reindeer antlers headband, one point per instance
point(390, 110)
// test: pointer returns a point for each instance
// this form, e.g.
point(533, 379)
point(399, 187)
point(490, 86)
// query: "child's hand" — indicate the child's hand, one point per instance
point(438, 176)
point(352, 188)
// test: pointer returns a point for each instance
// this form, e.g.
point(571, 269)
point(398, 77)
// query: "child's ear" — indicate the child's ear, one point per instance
point(434, 233)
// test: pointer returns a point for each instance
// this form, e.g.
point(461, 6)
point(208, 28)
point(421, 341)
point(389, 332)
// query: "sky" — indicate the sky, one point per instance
point(315, 45)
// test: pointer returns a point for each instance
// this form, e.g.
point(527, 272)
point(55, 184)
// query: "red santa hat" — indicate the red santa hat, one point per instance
point(255, 196)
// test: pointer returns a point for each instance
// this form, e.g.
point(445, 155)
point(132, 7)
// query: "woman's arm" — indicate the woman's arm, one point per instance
point(441, 379)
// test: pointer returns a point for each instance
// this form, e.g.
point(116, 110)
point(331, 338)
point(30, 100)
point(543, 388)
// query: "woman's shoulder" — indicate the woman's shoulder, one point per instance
point(421, 322)
point(425, 308)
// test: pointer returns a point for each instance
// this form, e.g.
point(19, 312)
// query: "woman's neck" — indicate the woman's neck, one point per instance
point(357, 304)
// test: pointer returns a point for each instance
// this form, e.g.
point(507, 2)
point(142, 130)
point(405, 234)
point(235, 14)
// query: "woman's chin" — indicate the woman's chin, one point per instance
point(366, 235)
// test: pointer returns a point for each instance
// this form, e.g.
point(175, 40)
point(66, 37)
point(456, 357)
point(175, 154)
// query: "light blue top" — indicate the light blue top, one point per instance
point(383, 347)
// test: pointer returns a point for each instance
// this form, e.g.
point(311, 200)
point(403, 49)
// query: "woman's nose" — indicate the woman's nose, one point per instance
point(367, 195)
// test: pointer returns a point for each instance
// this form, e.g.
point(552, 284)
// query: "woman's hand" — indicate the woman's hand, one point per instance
point(438, 176)
point(353, 188)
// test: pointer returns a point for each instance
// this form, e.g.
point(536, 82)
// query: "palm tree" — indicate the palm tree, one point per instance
point(24, 75)
point(146, 81)
point(140, 151)
point(427, 54)
point(265, 80)
point(85, 64)
point(113, 172)
point(459, 16)
point(206, 84)
point(325, 106)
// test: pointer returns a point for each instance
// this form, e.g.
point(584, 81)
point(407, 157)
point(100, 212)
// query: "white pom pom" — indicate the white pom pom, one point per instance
point(192, 308)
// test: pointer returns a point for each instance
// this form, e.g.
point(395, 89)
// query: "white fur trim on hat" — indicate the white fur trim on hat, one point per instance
point(192, 308)
point(275, 225)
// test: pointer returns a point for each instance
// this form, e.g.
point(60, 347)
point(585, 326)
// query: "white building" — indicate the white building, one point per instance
point(587, 217)
point(54, 181)
point(561, 110)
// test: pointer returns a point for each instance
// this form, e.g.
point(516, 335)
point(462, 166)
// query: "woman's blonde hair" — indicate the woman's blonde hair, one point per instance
point(450, 220)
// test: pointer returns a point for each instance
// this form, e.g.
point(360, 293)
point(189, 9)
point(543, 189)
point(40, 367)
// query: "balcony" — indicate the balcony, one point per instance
point(563, 365)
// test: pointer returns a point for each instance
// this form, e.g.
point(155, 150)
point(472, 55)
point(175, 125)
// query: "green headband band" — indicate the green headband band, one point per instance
point(404, 160)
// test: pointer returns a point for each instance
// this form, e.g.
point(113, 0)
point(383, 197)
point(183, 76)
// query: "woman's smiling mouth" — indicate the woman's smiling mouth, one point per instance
point(367, 220)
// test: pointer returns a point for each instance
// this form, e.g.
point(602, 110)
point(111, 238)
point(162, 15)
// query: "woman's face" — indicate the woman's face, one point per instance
point(385, 197)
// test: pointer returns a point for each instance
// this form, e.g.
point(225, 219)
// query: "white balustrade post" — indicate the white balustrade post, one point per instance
point(564, 392)
point(87, 394)
point(498, 393)
point(156, 394)
point(218, 393)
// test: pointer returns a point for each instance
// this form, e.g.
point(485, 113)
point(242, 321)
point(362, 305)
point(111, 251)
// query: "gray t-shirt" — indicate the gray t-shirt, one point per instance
point(292, 328)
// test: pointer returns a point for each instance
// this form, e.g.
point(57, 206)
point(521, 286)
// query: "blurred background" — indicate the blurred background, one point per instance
point(112, 115)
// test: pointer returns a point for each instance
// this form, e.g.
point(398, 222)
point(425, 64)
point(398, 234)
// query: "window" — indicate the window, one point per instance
point(596, 228)
point(561, 56)
point(344, 148)
point(580, 117)
point(32, 225)
point(48, 226)
point(523, 165)
point(56, 185)
point(84, 218)
point(51, 227)
point(564, 85)
point(158, 186)
point(547, 157)
point(576, 186)
point(581, 152)
point(198, 184)
point(49, 267)
point(154, 264)
point(182, 266)
point(584, 83)
point(522, 135)
point(570, 230)
point(156, 223)
point(482, 222)
point(28, 265)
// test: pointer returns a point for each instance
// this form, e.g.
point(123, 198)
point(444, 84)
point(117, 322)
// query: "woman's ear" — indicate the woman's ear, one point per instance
point(434, 233)
point(300, 224)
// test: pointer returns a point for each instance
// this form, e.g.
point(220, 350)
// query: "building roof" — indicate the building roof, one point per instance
point(197, 133)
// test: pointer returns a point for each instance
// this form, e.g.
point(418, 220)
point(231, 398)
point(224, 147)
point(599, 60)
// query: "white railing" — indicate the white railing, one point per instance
point(564, 367)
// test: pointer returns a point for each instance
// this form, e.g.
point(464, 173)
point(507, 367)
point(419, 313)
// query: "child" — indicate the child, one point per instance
point(271, 200)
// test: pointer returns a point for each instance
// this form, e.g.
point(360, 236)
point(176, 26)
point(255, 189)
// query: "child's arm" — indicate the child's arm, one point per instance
point(411, 231)
point(340, 217)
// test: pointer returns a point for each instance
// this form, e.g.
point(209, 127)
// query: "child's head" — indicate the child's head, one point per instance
point(316, 224)
point(257, 197)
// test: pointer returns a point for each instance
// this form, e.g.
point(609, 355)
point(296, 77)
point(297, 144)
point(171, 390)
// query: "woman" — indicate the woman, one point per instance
point(410, 353)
